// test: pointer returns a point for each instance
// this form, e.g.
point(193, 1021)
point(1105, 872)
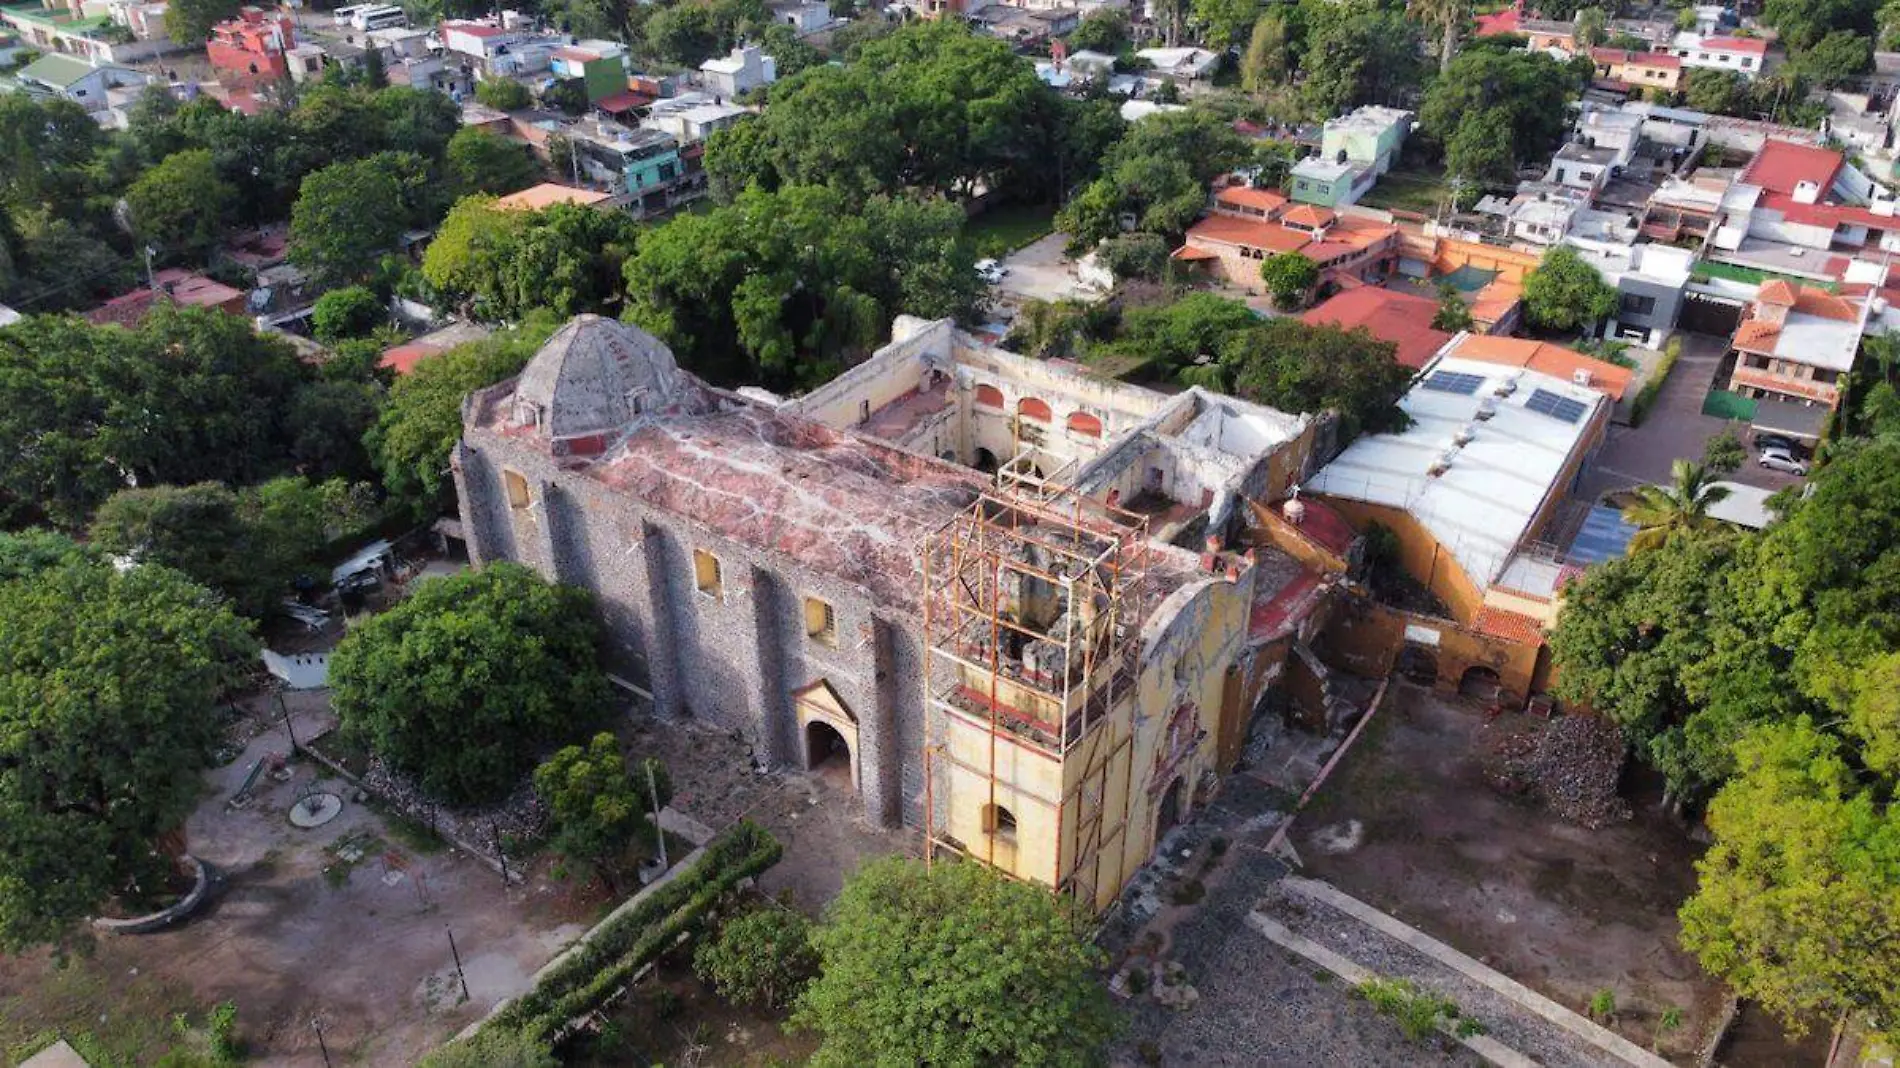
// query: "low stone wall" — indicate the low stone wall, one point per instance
point(205, 880)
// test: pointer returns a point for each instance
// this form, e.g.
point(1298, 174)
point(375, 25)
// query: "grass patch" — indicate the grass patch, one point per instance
point(1732, 272)
point(1402, 190)
point(114, 1019)
point(1007, 227)
point(410, 834)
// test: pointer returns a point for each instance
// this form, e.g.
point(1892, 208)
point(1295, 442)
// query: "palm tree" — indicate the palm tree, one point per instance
point(1449, 16)
point(1659, 511)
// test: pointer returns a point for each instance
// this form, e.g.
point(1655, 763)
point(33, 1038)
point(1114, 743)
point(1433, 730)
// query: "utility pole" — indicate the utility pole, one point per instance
point(457, 954)
point(317, 1023)
point(285, 709)
point(501, 855)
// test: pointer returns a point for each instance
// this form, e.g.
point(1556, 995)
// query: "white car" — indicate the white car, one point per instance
point(1778, 459)
point(990, 271)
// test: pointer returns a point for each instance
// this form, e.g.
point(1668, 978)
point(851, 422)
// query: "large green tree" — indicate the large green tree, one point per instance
point(181, 204)
point(1159, 173)
point(598, 807)
point(108, 681)
point(482, 162)
point(1496, 108)
point(1286, 364)
point(1359, 55)
point(1681, 506)
point(501, 265)
point(993, 972)
point(467, 682)
point(349, 214)
point(1563, 292)
point(189, 22)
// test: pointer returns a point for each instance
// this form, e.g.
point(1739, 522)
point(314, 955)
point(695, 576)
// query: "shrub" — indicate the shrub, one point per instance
point(1417, 1011)
point(345, 313)
point(493, 1048)
point(503, 94)
point(1141, 256)
point(763, 957)
point(1646, 397)
point(1603, 1004)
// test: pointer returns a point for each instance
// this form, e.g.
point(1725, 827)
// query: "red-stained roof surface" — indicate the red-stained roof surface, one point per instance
point(1830, 215)
point(620, 103)
point(1611, 56)
point(1248, 197)
point(178, 286)
point(1511, 626)
point(1310, 216)
point(1753, 46)
point(473, 29)
point(1401, 318)
point(1254, 233)
point(1777, 291)
point(1781, 165)
point(403, 358)
point(1756, 336)
point(1505, 21)
point(1324, 526)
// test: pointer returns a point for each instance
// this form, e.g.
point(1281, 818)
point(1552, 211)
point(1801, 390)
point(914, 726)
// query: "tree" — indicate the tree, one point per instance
point(1103, 30)
point(422, 420)
point(1565, 293)
point(1359, 56)
point(1889, 19)
point(1803, 23)
point(346, 216)
point(1224, 23)
point(503, 94)
point(1717, 92)
point(502, 265)
point(763, 957)
point(462, 685)
point(1591, 27)
point(1798, 899)
point(1159, 173)
point(1453, 313)
point(1265, 63)
point(189, 22)
point(493, 1047)
point(181, 204)
point(1286, 364)
point(417, 120)
point(106, 678)
point(1290, 277)
point(481, 162)
point(32, 551)
point(345, 313)
point(1139, 256)
point(1658, 512)
point(1479, 151)
point(1526, 93)
point(597, 806)
point(1724, 453)
point(994, 972)
point(246, 544)
point(1177, 335)
point(1838, 58)
point(1449, 17)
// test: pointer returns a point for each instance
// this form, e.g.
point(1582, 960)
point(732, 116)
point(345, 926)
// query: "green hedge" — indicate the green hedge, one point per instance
point(1646, 397)
point(625, 944)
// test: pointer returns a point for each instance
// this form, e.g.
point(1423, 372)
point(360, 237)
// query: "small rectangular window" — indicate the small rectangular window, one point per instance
point(821, 623)
point(517, 486)
point(706, 573)
point(999, 821)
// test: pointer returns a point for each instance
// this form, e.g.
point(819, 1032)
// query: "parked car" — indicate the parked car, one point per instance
point(990, 271)
point(1780, 459)
point(1777, 441)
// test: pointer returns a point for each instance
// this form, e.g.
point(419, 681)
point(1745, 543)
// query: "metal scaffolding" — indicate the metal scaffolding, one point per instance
point(1033, 603)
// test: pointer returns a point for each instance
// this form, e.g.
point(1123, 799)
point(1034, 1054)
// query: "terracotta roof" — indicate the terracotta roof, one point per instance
point(1190, 253)
point(1511, 626)
point(1505, 21)
point(1756, 336)
point(1754, 46)
point(1401, 318)
point(1831, 215)
point(1255, 233)
point(619, 103)
point(1310, 216)
point(1780, 165)
point(1610, 56)
point(403, 358)
point(548, 194)
point(1826, 305)
point(473, 29)
point(1545, 358)
point(1249, 197)
point(1777, 291)
point(180, 287)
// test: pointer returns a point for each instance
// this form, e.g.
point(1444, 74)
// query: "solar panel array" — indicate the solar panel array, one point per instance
point(1555, 405)
point(1453, 382)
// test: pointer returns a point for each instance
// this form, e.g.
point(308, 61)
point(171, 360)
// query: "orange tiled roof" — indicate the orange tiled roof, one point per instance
point(1777, 291)
point(1824, 304)
point(1757, 336)
point(1248, 197)
point(1310, 216)
point(546, 195)
point(1780, 165)
point(1255, 233)
point(1401, 318)
point(1545, 358)
point(1511, 626)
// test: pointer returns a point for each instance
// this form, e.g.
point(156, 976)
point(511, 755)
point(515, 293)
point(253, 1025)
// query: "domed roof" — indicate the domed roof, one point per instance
point(595, 375)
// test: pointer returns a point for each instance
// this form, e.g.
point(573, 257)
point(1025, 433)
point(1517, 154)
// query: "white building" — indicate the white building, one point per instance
point(1743, 55)
point(692, 117)
point(1182, 64)
point(745, 69)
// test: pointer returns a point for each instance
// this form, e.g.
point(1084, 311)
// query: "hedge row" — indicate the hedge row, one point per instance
point(624, 944)
point(1646, 397)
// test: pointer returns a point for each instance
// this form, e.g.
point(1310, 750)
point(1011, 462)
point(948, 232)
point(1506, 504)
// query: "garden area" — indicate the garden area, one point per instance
point(1001, 230)
point(1402, 189)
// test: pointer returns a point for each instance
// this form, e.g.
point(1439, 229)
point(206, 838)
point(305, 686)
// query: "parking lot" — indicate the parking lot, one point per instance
point(1041, 271)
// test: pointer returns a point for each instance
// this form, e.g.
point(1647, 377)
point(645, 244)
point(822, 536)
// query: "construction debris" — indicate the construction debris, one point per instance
point(1571, 763)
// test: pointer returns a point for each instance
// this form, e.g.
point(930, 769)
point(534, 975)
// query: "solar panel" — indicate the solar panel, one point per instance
point(1555, 405)
point(1453, 382)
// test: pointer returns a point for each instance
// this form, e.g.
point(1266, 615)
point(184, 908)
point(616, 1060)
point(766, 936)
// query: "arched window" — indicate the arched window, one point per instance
point(1033, 408)
point(1085, 424)
point(989, 396)
point(999, 821)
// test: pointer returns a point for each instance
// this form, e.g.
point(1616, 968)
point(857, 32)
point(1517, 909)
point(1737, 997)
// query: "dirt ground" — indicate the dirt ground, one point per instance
point(1408, 824)
point(673, 1018)
point(303, 936)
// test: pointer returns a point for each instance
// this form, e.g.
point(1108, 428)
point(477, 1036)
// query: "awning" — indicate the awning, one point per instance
point(1189, 252)
point(621, 103)
point(1786, 417)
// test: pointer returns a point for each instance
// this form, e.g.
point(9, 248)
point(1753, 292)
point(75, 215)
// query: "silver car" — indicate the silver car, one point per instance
point(1779, 459)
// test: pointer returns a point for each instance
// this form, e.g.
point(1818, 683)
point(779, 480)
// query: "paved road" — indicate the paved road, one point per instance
point(1676, 427)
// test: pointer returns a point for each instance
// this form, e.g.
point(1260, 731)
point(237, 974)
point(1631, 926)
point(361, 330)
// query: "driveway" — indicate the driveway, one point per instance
point(1041, 271)
point(1676, 428)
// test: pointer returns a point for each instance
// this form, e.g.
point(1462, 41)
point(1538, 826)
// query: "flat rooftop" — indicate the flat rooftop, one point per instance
point(1486, 492)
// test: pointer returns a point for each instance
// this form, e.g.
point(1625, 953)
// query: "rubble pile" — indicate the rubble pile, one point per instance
point(1579, 760)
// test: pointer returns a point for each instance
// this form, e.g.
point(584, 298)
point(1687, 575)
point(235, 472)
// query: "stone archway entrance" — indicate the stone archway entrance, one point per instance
point(828, 735)
point(1481, 683)
point(1170, 812)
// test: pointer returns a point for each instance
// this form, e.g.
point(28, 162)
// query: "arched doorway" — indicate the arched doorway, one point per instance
point(1418, 664)
point(827, 754)
point(1481, 683)
point(1169, 813)
point(985, 461)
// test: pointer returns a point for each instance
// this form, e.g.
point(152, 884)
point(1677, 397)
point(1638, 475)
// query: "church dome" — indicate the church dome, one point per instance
point(595, 376)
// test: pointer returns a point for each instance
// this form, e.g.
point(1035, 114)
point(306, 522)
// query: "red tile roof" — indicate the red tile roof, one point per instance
point(403, 358)
point(1254, 233)
point(1753, 46)
point(1248, 197)
point(1505, 21)
point(473, 29)
point(620, 103)
point(1545, 358)
point(1310, 216)
point(1605, 57)
point(1756, 336)
point(1401, 318)
point(178, 286)
point(1780, 165)
point(1777, 291)
point(1830, 215)
point(1511, 626)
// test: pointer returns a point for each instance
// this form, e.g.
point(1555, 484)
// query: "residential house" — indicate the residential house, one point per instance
point(77, 80)
point(1651, 281)
point(172, 286)
point(109, 32)
point(548, 194)
point(1741, 55)
point(1181, 64)
point(1547, 35)
point(1796, 344)
point(1355, 149)
point(805, 17)
point(600, 66)
point(1639, 70)
point(746, 68)
point(1581, 167)
point(484, 42)
point(1404, 319)
point(1246, 226)
point(691, 118)
point(253, 50)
